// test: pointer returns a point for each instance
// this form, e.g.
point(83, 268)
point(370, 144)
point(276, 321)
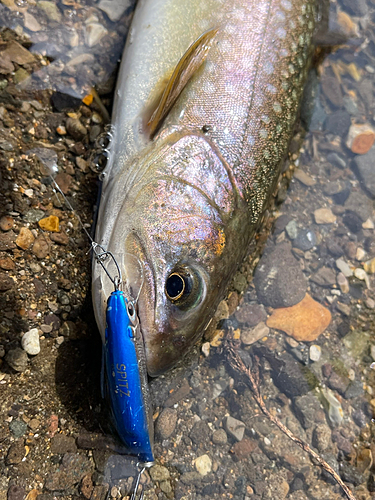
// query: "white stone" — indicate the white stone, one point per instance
point(30, 342)
point(203, 465)
point(362, 275)
point(206, 349)
point(315, 352)
point(344, 268)
point(360, 255)
point(368, 224)
point(373, 352)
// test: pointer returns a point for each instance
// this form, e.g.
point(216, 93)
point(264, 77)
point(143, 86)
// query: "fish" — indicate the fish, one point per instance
point(207, 98)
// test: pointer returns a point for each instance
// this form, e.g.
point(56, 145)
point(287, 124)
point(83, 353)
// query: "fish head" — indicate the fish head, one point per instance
point(178, 221)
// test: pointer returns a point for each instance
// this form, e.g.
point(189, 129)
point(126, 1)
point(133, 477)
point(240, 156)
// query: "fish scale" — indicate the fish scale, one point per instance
point(185, 201)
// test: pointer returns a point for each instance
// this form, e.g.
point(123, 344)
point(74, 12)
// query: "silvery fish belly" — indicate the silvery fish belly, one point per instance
point(206, 101)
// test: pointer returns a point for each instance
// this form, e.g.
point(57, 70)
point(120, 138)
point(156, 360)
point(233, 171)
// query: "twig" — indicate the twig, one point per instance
point(253, 380)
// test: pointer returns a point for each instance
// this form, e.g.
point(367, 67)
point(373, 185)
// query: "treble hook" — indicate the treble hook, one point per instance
point(144, 466)
point(100, 257)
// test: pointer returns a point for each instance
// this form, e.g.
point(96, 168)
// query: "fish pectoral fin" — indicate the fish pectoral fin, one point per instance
point(189, 63)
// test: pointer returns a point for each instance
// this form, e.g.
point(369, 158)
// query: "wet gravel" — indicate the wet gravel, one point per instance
point(211, 439)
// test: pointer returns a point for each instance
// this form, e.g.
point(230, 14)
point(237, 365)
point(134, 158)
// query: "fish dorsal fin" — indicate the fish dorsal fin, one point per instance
point(186, 67)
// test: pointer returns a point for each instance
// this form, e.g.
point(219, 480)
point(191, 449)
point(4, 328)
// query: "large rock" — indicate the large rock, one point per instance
point(279, 280)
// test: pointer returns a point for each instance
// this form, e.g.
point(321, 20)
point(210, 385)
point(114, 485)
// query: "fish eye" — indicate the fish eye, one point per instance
point(175, 286)
point(183, 288)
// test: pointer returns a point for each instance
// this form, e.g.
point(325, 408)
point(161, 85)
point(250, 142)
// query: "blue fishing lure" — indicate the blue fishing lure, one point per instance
point(126, 377)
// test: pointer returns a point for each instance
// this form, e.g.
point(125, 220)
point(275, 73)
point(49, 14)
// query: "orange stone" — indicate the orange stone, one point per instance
point(360, 138)
point(25, 238)
point(50, 223)
point(304, 322)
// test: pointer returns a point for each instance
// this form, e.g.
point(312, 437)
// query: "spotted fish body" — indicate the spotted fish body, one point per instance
point(185, 201)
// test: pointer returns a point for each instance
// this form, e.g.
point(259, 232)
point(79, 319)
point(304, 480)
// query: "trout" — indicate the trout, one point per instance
point(207, 97)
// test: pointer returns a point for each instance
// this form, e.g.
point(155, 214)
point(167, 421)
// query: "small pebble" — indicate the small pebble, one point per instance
point(17, 359)
point(343, 283)
point(166, 423)
point(304, 178)
point(249, 336)
point(306, 240)
point(362, 275)
point(360, 138)
point(50, 223)
point(315, 352)
point(370, 303)
point(30, 342)
point(206, 349)
point(324, 216)
point(6, 223)
point(292, 229)
point(344, 268)
point(203, 465)
point(220, 436)
point(343, 308)
point(159, 473)
point(25, 238)
point(369, 266)
point(235, 427)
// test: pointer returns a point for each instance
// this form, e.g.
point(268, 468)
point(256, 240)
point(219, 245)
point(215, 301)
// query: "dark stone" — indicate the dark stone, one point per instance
point(63, 444)
point(191, 478)
point(306, 240)
point(338, 123)
point(324, 277)
point(365, 167)
point(351, 474)
point(6, 282)
point(334, 248)
point(178, 395)
point(360, 205)
point(63, 102)
point(7, 241)
point(353, 222)
point(16, 492)
point(307, 408)
point(338, 383)
point(280, 223)
point(332, 90)
point(39, 287)
point(15, 453)
point(210, 489)
point(279, 280)
point(200, 433)
point(360, 417)
point(354, 389)
point(53, 320)
point(297, 485)
point(119, 466)
point(251, 314)
point(290, 376)
point(336, 160)
point(17, 359)
point(342, 442)
point(343, 328)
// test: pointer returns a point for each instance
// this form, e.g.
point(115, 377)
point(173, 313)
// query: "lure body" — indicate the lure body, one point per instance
point(126, 379)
